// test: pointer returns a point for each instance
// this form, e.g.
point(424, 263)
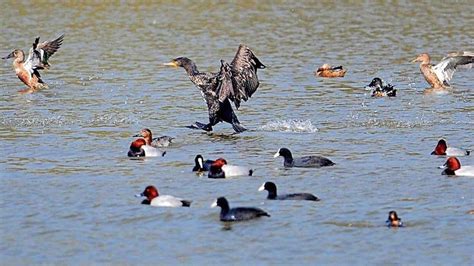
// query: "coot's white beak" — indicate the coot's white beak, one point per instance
point(214, 204)
point(200, 163)
point(276, 154)
point(262, 187)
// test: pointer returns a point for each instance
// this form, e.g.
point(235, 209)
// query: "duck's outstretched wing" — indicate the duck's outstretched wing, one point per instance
point(238, 81)
point(48, 48)
point(444, 70)
point(40, 52)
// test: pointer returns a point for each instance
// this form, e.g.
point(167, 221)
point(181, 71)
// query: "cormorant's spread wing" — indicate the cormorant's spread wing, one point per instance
point(225, 88)
point(244, 74)
point(444, 70)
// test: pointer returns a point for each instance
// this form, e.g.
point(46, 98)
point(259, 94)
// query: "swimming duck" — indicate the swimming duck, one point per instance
point(200, 165)
point(439, 75)
point(328, 71)
point(306, 161)
point(272, 193)
point(237, 214)
point(393, 220)
point(453, 167)
point(138, 148)
point(153, 198)
point(220, 169)
point(27, 70)
point(381, 90)
point(443, 149)
point(163, 141)
point(234, 82)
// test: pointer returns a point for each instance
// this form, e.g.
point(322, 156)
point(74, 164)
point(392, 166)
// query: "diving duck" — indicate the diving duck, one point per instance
point(381, 90)
point(439, 75)
point(328, 71)
point(27, 70)
point(234, 82)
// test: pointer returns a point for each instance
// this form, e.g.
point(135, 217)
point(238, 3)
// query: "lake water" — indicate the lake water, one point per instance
point(67, 188)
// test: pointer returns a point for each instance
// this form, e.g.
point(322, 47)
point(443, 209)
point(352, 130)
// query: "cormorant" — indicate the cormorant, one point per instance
point(234, 82)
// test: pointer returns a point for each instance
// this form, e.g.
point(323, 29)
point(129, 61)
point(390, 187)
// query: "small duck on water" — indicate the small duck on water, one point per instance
point(327, 71)
point(380, 90)
point(393, 220)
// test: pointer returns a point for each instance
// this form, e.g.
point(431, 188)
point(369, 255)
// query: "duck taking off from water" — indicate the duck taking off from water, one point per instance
point(439, 75)
point(234, 82)
point(27, 70)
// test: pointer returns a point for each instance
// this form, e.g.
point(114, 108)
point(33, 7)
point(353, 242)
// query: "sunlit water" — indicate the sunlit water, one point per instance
point(67, 188)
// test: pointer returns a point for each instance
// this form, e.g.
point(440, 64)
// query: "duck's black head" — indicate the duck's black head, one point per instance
point(376, 83)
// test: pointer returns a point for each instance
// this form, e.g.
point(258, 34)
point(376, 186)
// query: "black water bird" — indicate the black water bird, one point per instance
point(305, 161)
point(272, 193)
point(234, 82)
point(237, 214)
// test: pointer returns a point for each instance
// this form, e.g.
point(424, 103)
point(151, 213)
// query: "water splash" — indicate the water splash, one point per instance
point(298, 126)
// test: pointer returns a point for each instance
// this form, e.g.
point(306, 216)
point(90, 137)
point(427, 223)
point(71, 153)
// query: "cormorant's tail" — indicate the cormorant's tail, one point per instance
point(238, 127)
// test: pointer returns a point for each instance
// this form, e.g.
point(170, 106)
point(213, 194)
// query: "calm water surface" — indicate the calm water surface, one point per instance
point(66, 193)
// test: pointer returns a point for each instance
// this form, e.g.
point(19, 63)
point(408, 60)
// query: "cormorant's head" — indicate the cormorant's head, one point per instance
point(179, 62)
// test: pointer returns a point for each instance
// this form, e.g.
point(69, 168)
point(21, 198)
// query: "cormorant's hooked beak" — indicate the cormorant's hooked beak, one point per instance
point(9, 56)
point(172, 64)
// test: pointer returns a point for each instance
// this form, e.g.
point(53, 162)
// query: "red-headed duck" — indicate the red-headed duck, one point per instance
point(220, 169)
point(27, 70)
point(163, 141)
point(153, 198)
point(328, 71)
point(453, 167)
point(305, 161)
point(237, 214)
point(138, 148)
point(439, 75)
point(443, 149)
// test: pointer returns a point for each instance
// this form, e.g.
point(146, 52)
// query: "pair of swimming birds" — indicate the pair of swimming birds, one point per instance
point(235, 82)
